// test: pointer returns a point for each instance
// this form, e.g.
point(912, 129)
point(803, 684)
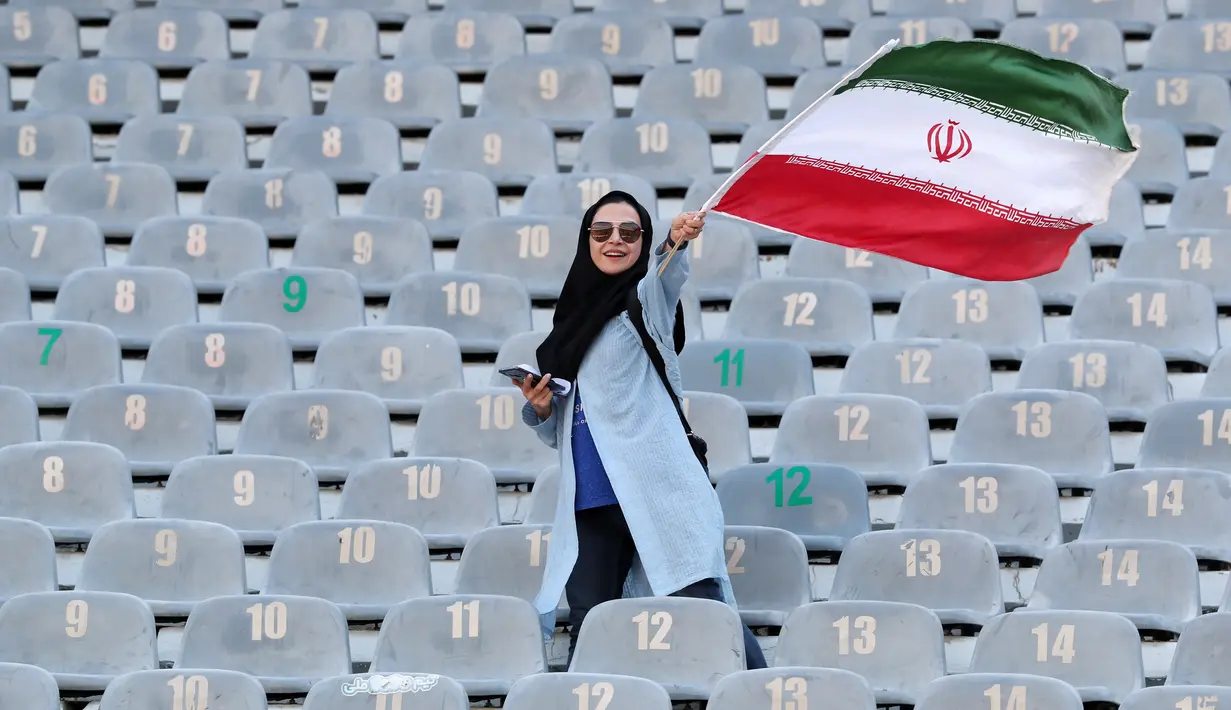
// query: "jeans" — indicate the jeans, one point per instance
point(605, 552)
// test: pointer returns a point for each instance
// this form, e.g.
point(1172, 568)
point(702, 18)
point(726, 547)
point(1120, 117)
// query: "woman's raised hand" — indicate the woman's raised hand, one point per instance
point(538, 395)
point(687, 226)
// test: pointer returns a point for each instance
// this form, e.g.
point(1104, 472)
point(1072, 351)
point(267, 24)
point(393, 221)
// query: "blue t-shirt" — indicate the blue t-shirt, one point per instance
point(593, 486)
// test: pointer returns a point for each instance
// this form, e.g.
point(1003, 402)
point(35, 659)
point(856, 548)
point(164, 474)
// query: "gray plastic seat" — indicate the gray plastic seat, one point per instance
point(117, 196)
point(348, 150)
point(45, 249)
point(1096, 652)
point(281, 201)
point(507, 151)
point(330, 430)
point(1163, 504)
point(484, 425)
point(385, 11)
point(985, 15)
point(812, 85)
point(72, 488)
point(566, 92)
point(769, 573)
point(1096, 43)
point(232, 10)
point(102, 91)
point(544, 496)
point(1200, 656)
point(85, 639)
point(822, 504)
point(408, 95)
point(1161, 165)
point(1128, 378)
point(41, 36)
point(465, 42)
point(973, 690)
point(764, 375)
point(167, 38)
point(134, 302)
point(571, 194)
point(190, 148)
point(211, 250)
point(444, 201)
point(27, 564)
point(1201, 204)
point(1176, 317)
point(55, 361)
point(1159, 697)
point(687, 645)
point(1198, 104)
point(82, 9)
point(231, 363)
point(446, 500)
point(668, 153)
point(534, 14)
point(226, 690)
point(403, 365)
point(1217, 381)
point(484, 642)
point(941, 375)
point(1005, 318)
point(1016, 507)
point(35, 145)
point(1063, 433)
point(536, 250)
point(830, 15)
point(898, 648)
point(560, 691)
point(1136, 16)
point(480, 310)
point(883, 437)
point(14, 297)
point(171, 564)
point(31, 687)
point(506, 559)
point(518, 349)
point(1182, 45)
point(726, 98)
point(884, 278)
point(20, 414)
point(318, 39)
point(841, 690)
point(777, 47)
point(871, 34)
point(295, 642)
point(363, 566)
point(410, 691)
point(842, 324)
point(1063, 286)
point(306, 303)
point(256, 496)
point(1191, 433)
point(1205, 9)
point(155, 426)
point(628, 43)
point(258, 93)
point(721, 260)
point(681, 14)
point(1220, 164)
point(375, 250)
point(723, 423)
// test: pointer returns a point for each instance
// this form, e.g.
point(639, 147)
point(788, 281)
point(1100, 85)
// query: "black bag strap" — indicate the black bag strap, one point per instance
point(636, 315)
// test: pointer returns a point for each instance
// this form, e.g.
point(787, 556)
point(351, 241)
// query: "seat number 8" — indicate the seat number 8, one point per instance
point(134, 412)
point(331, 142)
point(53, 474)
point(215, 354)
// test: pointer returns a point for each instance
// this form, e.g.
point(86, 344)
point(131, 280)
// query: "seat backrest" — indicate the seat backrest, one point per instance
point(941, 375)
point(536, 250)
point(256, 92)
point(1162, 165)
point(466, 42)
point(1129, 379)
point(155, 426)
point(56, 361)
point(764, 375)
point(35, 145)
point(190, 148)
point(134, 302)
point(231, 363)
point(375, 250)
point(281, 201)
point(565, 91)
point(107, 91)
point(1194, 433)
point(168, 38)
point(484, 425)
point(707, 92)
point(560, 691)
point(1190, 45)
point(774, 46)
point(1183, 256)
point(842, 690)
point(1200, 658)
point(47, 248)
point(1094, 42)
point(786, 308)
point(306, 303)
point(347, 149)
point(508, 151)
point(72, 488)
point(1005, 318)
point(28, 562)
point(411, 691)
point(972, 690)
point(1198, 104)
point(571, 194)
point(665, 152)
point(870, 35)
point(318, 38)
point(444, 201)
point(1177, 317)
point(211, 250)
point(25, 686)
point(628, 43)
point(406, 94)
point(507, 560)
point(118, 196)
point(36, 36)
point(226, 690)
point(768, 569)
point(480, 310)
point(403, 365)
point(823, 504)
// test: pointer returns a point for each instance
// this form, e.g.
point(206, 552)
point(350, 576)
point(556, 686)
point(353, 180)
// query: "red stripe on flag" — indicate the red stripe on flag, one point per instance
point(848, 210)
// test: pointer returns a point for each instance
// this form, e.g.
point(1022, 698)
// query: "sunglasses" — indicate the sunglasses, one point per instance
point(630, 232)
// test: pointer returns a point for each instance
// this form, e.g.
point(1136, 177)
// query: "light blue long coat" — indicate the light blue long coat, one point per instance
point(671, 508)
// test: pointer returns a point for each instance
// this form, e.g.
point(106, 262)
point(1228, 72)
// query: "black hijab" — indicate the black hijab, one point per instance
point(590, 298)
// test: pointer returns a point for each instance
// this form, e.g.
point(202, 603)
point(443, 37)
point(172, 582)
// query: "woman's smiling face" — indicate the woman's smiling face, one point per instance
point(614, 255)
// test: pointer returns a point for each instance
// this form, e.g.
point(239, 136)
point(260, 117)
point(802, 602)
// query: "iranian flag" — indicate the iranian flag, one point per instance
point(976, 158)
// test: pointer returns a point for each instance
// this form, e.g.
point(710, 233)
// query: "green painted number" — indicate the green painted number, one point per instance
point(53, 334)
point(296, 291)
point(726, 359)
point(796, 497)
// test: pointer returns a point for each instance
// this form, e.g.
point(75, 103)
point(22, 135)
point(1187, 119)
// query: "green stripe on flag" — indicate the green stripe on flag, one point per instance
point(1055, 90)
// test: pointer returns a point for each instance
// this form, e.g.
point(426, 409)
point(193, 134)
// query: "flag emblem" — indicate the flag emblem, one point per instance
point(948, 143)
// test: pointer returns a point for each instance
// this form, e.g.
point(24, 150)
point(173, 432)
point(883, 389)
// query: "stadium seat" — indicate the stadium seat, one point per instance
point(842, 690)
point(1198, 104)
point(1193, 433)
point(484, 425)
point(1096, 43)
point(566, 92)
point(72, 488)
point(560, 691)
point(536, 250)
point(232, 10)
point(468, 43)
point(230, 690)
point(408, 95)
point(1064, 286)
point(1161, 165)
point(45, 249)
point(116, 196)
point(256, 496)
point(167, 38)
point(812, 85)
point(872, 34)
point(14, 297)
point(692, 312)
point(318, 39)
point(85, 639)
point(830, 15)
point(409, 490)
point(403, 365)
point(1135, 16)
point(769, 573)
point(1217, 381)
point(20, 414)
point(1170, 696)
point(410, 691)
point(1183, 256)
point(668, 153)
point(1206, 9)
point(1201, 203)
point(1005, 318)
point(544, 496)
point(1191, 45)
point(884, 278)
point(102, 91)
point(287, 642)
point(31, 687)
point(377, 251)
point(883, 437)
point(1200, 656)
point(629, 43)
point(1063, 433)
point(983, 15)
point(941, 375)
point(824, 510)
point(444, 201)
point(306, 303)
point(973, 690)
point(534, 14)
point(81, 9)
point(1097, 652)
point(363, 566)
point(477, 145)
point(506, 560)
point(258, 93)
point(134, 302)
point(480, 310)
point(191, 149)
point(521, 349)
point(755, 137)
point(34, 36)
point(348, 150)
point(726, 98)
point(486, 643)
point(231, 363)
point(1220, 165)
point(681, 14)
point(171, 564)
point(1015, 507)
point(385, 11)
point(35, 145)
point(723, 423)
point(1177, 317)
point(27, 564)
point(839, 327)
point(211, 250)
point(721, 260)
point(898, 648)
point(55, 361)
point(777, 373)
point(330, 430)
point(571, 194)
point(778, 47)
point(1128, 378)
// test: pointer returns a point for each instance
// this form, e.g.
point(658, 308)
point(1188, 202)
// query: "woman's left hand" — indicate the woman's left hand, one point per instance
point(687, 226)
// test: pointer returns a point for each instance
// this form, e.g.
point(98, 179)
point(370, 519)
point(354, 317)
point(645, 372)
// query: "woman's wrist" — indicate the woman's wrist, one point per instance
point(669, 244)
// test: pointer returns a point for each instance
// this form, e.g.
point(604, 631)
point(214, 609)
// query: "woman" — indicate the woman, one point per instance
point(635, 506)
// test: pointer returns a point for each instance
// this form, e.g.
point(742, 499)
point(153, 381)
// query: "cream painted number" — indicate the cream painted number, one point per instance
point(661, 622)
